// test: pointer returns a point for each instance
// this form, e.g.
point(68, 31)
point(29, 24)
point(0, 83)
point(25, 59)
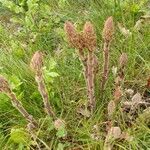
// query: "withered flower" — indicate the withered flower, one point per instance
point(89, 36)
point(71, 33)
point(108, 29)
point(75, 38)
point(37, 62)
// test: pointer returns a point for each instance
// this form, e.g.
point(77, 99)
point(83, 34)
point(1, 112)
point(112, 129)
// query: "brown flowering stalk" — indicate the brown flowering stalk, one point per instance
point(36, 65)
point(108, 31)
point(81, 41)
point(5, 88)
point(77, 41)
point(118, 81)
point(115, 133)
point(90, 43)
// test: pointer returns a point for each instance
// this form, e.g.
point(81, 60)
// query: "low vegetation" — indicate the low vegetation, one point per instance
point(74, 75)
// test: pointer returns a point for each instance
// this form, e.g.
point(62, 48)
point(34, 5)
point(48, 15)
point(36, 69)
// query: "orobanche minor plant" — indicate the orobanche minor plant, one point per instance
point(36, 65)
point(32, 124)
point(85, 40)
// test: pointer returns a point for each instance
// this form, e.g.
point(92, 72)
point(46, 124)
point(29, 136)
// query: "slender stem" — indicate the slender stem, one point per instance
point(43, 91)
point(17, 104)
point(91, 79)
point(106, 65)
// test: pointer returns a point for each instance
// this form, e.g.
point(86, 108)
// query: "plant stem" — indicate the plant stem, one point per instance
point(106, 65)
point(91, 79)
point(43, 91)
point(17, 104)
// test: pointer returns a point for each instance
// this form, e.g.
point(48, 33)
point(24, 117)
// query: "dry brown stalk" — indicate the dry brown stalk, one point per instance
point(90, 79)
point(118, 84)
point(5, 88)
point(90, 43)
point(107, 36)
point(36, 65)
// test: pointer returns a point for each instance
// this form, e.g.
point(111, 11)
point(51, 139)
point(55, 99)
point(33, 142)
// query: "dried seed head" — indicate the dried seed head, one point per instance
point(123, 60)
point(37, 62)
point(108, 29)
point(80, 44)
point(89, 36)
point(4, 85)
point(71, 32)
point(75, 39)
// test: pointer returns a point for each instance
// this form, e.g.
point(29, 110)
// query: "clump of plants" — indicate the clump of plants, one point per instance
point(85, 42)
point(34, 125)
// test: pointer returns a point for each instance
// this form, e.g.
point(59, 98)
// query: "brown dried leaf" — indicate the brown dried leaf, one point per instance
point(114, 132)
point(136, 99)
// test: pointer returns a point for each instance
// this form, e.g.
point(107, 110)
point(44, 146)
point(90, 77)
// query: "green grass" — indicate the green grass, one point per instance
point(68, 91)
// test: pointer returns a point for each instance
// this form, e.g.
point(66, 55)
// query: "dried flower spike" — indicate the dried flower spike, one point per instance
point(89, 36)
point(108, 29)
point(75, 39)
point(37, 62)
point(107, 36)
point(4, 86)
